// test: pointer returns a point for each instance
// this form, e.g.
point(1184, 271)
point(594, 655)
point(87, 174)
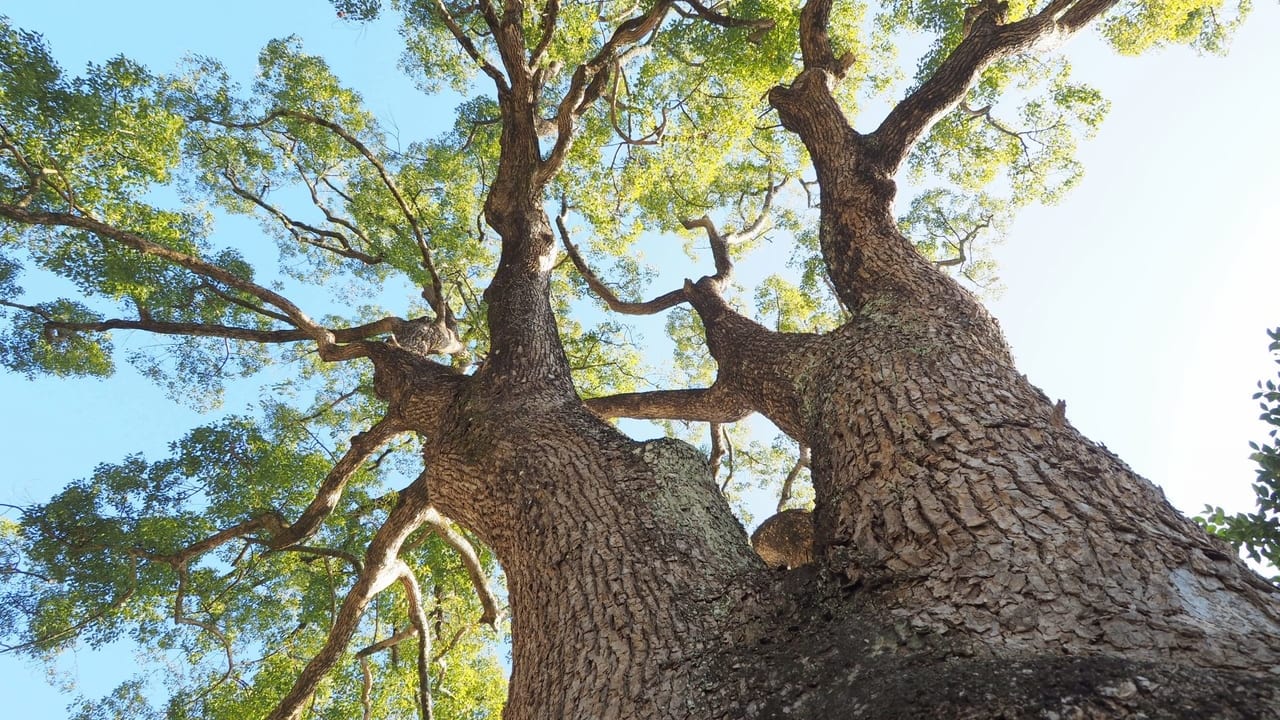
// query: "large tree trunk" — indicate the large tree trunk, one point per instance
point(976, 556)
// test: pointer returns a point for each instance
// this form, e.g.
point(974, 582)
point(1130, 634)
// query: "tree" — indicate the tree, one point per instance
point(976, 555)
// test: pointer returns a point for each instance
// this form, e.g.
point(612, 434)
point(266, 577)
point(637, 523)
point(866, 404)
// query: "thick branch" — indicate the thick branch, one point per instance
point(547, 28)
point(464, 41)
point(815, 43)
point(381, 569)
point(717, 404)
point(330, 492)
point(757, 364)
point(986, 42)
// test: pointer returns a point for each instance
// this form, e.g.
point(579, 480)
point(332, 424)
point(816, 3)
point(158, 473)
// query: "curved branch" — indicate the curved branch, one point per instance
point(443, 527)
point(435, 296)
point(962, 242)
point(985, 114)
point(235, 300)
point(418, 617)
point(652, 138)
point(464, 41)
point(350, 335)
point(815, 42)
point(602, 291)
point(300, 230)
point(329, 493)
point(802, 461)
point(720, 243)
point(180, 617)
point(200, 267)
point(381, 569)
point(586, 84)
point(387, 642)
point(547, 29)
point(761, 25)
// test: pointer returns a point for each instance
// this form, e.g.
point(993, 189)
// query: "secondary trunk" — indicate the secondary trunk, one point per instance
point(972, 543)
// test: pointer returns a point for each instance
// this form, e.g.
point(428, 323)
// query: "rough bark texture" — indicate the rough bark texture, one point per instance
point(974, 555)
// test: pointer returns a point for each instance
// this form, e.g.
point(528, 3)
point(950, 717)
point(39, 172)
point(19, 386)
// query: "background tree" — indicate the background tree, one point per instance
point(315, 138)
point(1257, 534)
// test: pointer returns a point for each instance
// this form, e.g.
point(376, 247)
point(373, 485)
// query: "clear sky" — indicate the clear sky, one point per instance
point(1141, 300)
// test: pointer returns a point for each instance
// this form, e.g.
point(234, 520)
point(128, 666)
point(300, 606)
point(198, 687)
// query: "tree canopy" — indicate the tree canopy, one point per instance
point(241, 552)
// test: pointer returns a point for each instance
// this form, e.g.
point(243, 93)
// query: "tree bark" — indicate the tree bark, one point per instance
point(975, 555)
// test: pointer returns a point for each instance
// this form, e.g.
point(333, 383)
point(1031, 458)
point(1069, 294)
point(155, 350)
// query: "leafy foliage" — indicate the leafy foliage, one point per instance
point(123, 178)
point(1257, 534)
point(104, 558)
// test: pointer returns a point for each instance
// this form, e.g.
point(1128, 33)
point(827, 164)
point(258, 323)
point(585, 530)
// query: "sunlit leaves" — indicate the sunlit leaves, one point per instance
point(956, 231)
point(1207, 25)
point(788, 307)
point(115, 555)
point(91, 140)
point(31, 349)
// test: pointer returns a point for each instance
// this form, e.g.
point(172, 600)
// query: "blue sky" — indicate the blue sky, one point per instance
point(1141, 300)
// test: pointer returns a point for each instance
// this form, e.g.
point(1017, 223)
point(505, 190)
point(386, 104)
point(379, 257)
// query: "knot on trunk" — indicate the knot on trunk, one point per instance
point(785, 540)
point(425, 336)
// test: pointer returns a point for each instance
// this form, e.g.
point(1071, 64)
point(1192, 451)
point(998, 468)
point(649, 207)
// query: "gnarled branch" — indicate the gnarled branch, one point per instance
point(651, 307)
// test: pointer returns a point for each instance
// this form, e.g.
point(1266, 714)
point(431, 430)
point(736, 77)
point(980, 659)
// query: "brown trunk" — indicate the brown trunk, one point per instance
point(976, 557)
point(937, 463)
point(618, 554)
